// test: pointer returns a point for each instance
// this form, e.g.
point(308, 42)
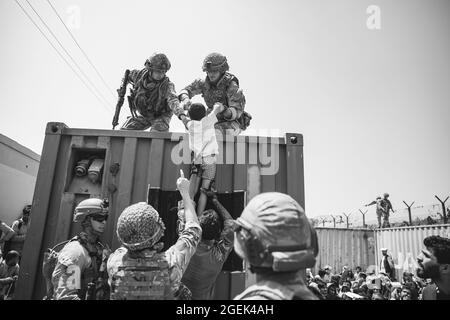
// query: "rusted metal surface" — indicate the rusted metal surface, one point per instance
point(345, 247)
point(133, 162)
point(405, 244)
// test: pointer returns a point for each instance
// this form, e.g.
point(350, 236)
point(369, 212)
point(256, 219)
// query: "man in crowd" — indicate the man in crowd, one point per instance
point(20, 228)
point(275, 237)
point(434, 263)
point(212, 251)
point(6, 233)
point(139, 269)
point(80, 271)
point(387, 264)
point(9, 273)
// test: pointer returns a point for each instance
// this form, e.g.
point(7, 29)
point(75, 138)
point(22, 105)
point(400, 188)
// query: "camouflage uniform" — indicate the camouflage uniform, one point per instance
point(225, 91)
point(155, 101)
point(82, 261)
point(386, 206)
point(79, 263)
point(139, 269)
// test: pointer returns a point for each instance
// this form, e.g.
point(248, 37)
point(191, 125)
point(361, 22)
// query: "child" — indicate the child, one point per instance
point(203, 144)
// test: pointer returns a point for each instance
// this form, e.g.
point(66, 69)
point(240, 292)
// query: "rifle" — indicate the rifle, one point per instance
point(121, 92)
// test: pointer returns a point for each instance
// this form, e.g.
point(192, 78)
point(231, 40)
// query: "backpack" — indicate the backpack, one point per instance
point(48, 266)
point(141, 277)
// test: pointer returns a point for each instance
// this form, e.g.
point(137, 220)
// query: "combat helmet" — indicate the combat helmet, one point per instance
point(158, 61)
point(274, 232)
point(139, 227)
point(90, 207)
point(215, 62)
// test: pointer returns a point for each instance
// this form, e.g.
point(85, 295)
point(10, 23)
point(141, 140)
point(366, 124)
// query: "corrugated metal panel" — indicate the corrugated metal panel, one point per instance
point(405, 244)
point(340, 247)
point(250, 164)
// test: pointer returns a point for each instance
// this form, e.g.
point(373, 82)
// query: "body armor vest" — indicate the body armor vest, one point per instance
point(149, 96)
point(218, 92)
point(143, 277)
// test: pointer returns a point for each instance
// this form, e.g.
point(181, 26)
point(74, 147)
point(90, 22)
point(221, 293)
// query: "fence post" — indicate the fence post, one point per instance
point(409, 211)
point(364, 217)
point(444, 214)
point(346, 217)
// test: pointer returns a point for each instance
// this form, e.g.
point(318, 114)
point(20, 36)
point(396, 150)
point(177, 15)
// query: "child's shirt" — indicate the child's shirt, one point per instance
point(202, 136)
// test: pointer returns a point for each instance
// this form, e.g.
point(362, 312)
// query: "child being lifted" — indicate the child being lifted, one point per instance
point(204, 147)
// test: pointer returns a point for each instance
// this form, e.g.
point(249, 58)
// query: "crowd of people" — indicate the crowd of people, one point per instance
point(12, 239)
point(431, 281)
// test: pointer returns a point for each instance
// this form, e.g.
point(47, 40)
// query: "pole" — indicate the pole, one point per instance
point(334, 221)
point(444, 214)
point(346, 218)
point(364, 217)
point(409, 211)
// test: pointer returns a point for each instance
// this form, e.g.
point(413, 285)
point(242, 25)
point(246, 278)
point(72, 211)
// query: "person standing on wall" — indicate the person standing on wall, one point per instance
point(386, 206)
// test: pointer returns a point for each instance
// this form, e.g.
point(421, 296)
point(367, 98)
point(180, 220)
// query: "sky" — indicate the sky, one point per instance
point(373, 105)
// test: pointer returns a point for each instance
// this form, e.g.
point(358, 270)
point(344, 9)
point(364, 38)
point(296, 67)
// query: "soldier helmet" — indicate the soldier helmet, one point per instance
point(386, 195)
point(158, 61)
point(215, 62)
point(139, 227)
point(90, 207)
point(274, 232)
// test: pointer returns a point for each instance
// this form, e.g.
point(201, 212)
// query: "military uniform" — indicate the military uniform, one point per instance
point(155, 101)
point(386, 206)
point(139, 270)
point(226, 91)
point(79, 263)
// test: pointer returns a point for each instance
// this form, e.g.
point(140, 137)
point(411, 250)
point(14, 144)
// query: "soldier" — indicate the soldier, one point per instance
point(82, 262)
point(379, 209)
point(386, 206)
point(223, 87)
point(139, 270)
point(153, 96)
point(275, 237)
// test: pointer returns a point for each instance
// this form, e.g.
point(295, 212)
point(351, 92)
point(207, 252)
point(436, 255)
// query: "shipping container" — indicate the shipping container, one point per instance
point(18, 171)
point(345, 247)
point(132, 166)
point(404, 244)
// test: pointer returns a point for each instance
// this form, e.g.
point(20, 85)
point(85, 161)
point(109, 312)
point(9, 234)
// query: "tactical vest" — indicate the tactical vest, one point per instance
point(149, 97)
point(218, 92)
point(145, 277)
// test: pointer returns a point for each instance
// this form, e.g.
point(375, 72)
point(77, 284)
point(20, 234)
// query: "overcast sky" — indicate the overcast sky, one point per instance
point(373, 105)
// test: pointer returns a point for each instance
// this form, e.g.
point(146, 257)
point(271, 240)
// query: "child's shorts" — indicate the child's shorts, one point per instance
point(209, 167)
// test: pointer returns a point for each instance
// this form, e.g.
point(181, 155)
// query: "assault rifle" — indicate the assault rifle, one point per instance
point(121, 91)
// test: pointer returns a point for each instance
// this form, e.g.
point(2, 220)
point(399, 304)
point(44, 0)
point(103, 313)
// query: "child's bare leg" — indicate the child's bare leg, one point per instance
point(194, 182)
point(203, 198)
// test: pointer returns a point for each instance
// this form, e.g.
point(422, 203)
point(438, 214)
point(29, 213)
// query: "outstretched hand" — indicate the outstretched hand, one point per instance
point(183, 183)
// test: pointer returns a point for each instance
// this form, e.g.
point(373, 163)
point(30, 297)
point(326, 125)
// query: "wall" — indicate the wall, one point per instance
point(18, 172)
point(345, 247)
point(405, 244)
point(139, 166)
